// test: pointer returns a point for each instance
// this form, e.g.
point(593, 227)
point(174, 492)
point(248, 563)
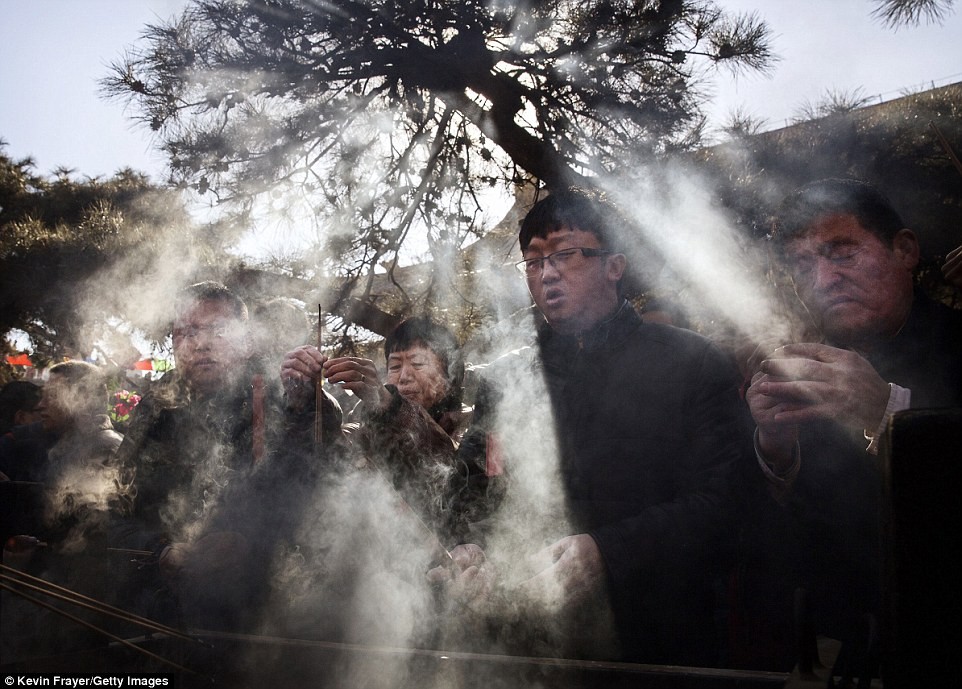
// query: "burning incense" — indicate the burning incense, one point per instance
point(440, 551)
point(9, 575)
point(318, 388)
point(89, 625)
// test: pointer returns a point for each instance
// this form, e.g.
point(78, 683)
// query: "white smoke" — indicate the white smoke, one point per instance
point(721, 271)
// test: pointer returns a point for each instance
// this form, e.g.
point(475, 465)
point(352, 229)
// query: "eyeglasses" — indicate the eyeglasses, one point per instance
point(566, 259)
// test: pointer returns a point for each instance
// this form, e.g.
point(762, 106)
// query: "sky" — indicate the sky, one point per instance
point(53, 52)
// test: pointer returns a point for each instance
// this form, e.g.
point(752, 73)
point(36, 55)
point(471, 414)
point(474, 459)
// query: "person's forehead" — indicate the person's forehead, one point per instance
point(830, 230)
point(563, 237)
point(415, 350)
point(206, 311)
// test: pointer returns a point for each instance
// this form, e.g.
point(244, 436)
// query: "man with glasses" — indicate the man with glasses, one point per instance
point(625, 514)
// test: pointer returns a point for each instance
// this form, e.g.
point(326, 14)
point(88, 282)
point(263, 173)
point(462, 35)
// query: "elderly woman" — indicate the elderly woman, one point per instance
point(408, 425)
point(424, 367)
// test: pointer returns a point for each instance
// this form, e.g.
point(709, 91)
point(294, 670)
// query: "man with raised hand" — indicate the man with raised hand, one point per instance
point(219, 470)
point(821, 407)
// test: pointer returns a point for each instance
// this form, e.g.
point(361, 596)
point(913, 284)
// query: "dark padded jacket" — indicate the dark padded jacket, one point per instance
point(825, 538)
point(649, 428)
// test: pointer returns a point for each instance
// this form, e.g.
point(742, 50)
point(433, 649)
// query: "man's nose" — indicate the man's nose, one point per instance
point(549, 271)
point(825, 274)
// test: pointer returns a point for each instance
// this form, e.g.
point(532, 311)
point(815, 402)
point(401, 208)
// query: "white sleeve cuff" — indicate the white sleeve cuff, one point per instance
point(899, 400)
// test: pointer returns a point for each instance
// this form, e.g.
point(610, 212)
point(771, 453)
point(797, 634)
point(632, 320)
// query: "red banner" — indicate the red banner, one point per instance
point(19, 360)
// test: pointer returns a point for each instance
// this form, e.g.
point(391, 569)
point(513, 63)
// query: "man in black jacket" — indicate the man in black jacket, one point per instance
point(821, 408)
point(616, 496)
point(219, 469)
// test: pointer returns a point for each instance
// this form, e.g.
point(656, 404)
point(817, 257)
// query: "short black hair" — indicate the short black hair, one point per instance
point(421, 330)
point(812, 202)
point(210, 291)
point(17, 395)
point(576, 208)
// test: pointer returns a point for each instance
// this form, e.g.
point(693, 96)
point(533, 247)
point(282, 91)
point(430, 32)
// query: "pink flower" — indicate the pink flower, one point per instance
point(124, 404)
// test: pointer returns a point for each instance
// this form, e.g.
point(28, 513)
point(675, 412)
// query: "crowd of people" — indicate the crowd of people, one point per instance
point(617, 490)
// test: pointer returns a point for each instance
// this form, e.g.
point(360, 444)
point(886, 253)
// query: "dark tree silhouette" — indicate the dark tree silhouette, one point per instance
point(898, 12)
point(832, 102)
point(379, 120)
point(75, 253)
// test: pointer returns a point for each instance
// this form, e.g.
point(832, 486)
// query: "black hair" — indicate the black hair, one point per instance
point(826, 197)
point(17, 395)
point(576, 208)
point(210, 291)
point(421, 330)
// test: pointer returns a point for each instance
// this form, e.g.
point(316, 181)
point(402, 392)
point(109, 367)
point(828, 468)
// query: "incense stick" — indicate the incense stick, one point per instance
point(770, 678)
point(91, 626)
point(131, 551)
point(318, 389)
point(7, 573)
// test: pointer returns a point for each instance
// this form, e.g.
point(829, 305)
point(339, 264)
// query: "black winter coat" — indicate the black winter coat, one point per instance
point(649, 429)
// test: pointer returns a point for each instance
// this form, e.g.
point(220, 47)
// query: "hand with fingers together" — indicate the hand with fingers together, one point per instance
point(569, 571)
point(468, 579)
point(776, 439)
point(360, 377)
point(301, 368)
point(800, 383)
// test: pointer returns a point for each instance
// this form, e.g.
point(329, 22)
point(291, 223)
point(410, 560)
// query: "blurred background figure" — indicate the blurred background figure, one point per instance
point(65, 531)
point(80, 474)
point(18, 404)
point(23, 443)
point(277, 326)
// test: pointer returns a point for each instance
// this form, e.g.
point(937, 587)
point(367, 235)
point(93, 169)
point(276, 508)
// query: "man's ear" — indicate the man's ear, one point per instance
point(906, 247)
point(615, 267)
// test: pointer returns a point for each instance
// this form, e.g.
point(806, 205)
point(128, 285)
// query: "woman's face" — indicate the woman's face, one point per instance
point(418, 374)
